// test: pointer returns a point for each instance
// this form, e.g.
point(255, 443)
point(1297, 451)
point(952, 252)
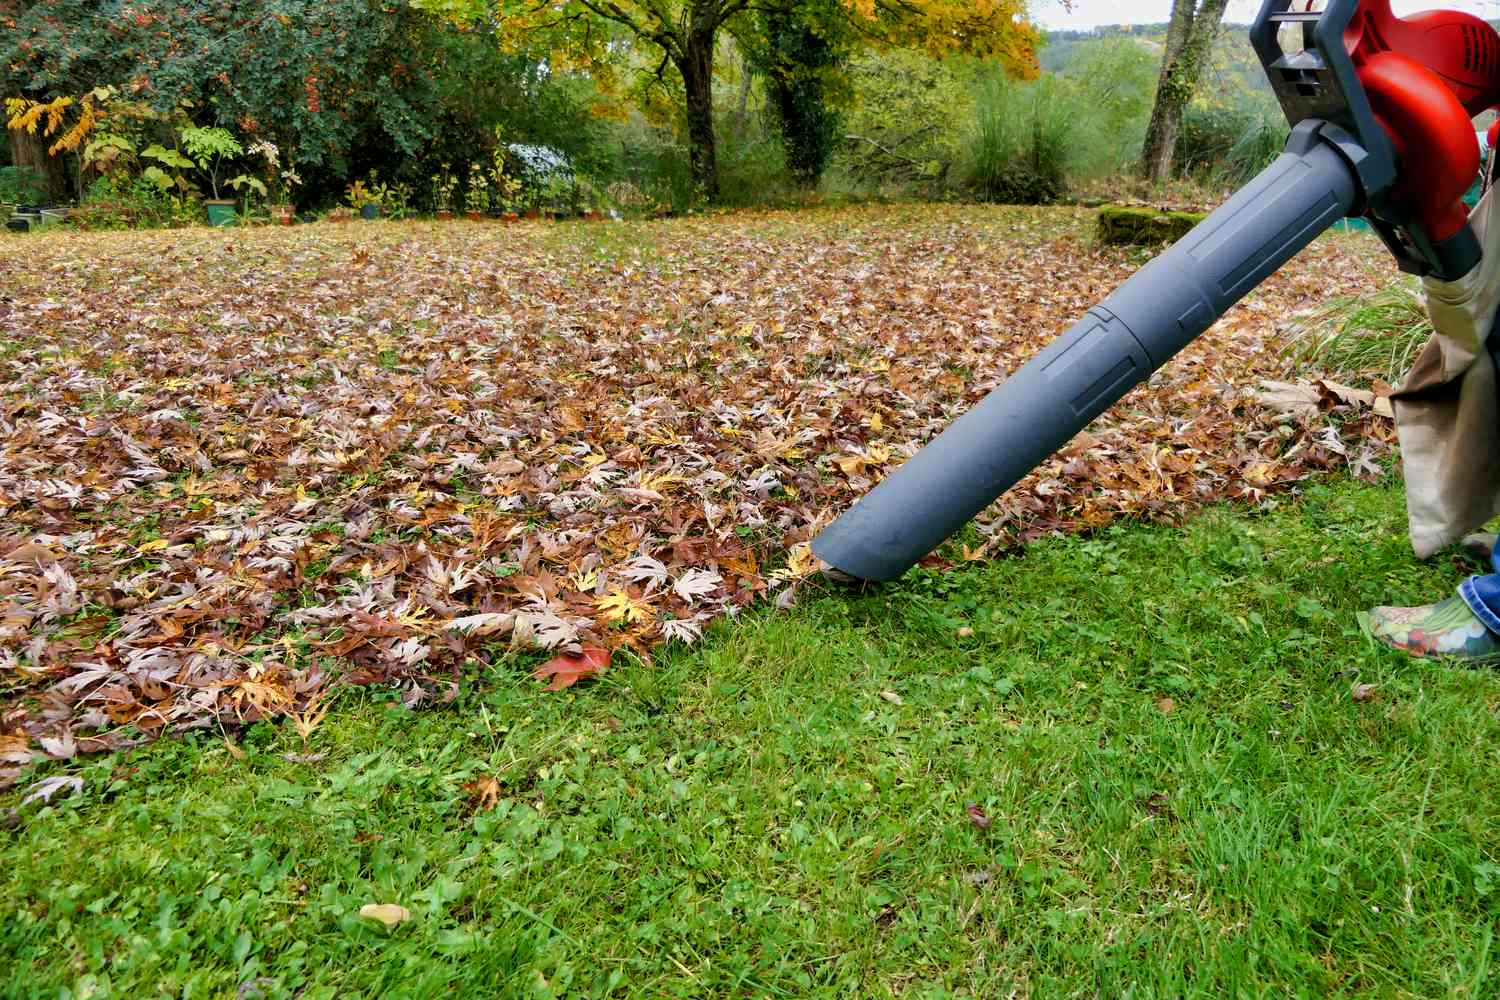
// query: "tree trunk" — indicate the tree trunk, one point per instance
point(1190, 37)
point(697, 69)
point(30, 151)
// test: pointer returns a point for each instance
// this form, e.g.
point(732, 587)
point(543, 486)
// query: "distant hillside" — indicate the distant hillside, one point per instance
point(1234, 77)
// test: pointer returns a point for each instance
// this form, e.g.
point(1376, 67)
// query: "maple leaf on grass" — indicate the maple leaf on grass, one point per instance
point(619, 606)
point(696, 583)
point(568, 669)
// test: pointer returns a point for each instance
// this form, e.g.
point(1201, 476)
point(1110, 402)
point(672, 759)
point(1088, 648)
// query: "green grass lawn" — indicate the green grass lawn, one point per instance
point(784, 811)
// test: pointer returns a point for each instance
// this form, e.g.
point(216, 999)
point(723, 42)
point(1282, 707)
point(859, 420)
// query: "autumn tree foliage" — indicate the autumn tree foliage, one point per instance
point(314, 77)
point(680, 36)
point(340, 86)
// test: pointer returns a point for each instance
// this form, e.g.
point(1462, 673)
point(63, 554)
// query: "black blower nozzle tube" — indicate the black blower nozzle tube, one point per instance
point(1117, 345)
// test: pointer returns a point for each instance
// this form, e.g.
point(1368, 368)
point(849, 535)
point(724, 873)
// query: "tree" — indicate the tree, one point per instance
point(680, 36)
point(801, 61)
point(1190, 37)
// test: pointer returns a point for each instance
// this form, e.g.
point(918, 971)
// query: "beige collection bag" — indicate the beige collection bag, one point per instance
point(1447, 414)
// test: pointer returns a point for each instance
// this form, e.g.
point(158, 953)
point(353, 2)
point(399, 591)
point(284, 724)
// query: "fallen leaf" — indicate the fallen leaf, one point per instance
point(1363, 692)
point(1296, 398)
point(892, 697)
point(387, 913)
point(978, 817)
point(568, 669)
point(1347, 394)
point(1167, 705)
point(965, 632)
point(15, 750)
point(484, 793)
point(47, 789)
point(850, 465)
point(619, 606)
point(532, 452)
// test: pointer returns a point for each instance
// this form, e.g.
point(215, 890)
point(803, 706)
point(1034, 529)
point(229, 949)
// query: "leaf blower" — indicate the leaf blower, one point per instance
point(1381, 110)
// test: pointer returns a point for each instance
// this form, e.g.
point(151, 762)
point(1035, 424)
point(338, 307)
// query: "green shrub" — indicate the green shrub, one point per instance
point(1117, 78)
point(121, 202)
point(1229, 144)
point(1024, 140)
point(22, 185)
point(1261, 143)
point(1206, 137)
point(752, 168)
point(905, 133)
point(1359, 338)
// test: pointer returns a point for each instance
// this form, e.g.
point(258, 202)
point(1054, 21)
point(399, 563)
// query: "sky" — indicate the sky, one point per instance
point(1092, 13)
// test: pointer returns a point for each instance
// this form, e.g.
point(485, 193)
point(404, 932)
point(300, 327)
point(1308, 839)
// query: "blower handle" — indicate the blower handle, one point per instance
point(1117, 345)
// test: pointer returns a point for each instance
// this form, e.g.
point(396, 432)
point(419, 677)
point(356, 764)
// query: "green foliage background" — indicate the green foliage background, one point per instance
point(348, 87)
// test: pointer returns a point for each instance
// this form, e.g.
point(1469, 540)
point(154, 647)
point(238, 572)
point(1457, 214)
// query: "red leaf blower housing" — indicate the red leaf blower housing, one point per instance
point(1426, 77)
point(1381, 109)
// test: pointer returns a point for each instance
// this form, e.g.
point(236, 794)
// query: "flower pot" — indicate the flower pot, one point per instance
point(444, 215)
point(220, 212)
point(368, 211)
point(593, 216)
point(286, 218)
point(532, 214)
point(474, 216)
point(511, 217)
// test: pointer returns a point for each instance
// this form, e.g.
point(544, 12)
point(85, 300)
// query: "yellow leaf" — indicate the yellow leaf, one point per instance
point(619, 606)
point(265, 697)
point(1261, 473)
point(155, 545)
point(387, 913)
point(800, 563)
point(852, 465)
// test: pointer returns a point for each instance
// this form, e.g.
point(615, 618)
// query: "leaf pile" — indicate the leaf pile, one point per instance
point(237, 466)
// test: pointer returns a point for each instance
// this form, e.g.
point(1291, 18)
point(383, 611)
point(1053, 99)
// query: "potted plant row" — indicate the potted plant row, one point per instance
point(362, 200)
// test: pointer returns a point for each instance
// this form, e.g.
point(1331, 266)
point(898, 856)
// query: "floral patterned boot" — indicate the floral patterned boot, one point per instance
point(1480, 547)
point(1447, 628)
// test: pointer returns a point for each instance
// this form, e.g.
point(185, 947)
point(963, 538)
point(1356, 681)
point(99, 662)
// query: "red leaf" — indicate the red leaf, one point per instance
point(567, 670)
point(977, 816)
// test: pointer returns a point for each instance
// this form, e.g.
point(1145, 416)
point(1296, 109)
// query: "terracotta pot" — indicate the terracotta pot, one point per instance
point(511, 217)
point(593, 216)
point(532, 214)
point(286, 218)
point(444, 215)
point(473, 216)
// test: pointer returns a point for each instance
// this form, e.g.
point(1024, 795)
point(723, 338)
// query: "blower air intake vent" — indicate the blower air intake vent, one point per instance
point(1480, 51)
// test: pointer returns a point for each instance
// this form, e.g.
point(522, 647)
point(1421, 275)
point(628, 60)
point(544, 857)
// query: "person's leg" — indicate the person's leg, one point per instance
point(1465, 627)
